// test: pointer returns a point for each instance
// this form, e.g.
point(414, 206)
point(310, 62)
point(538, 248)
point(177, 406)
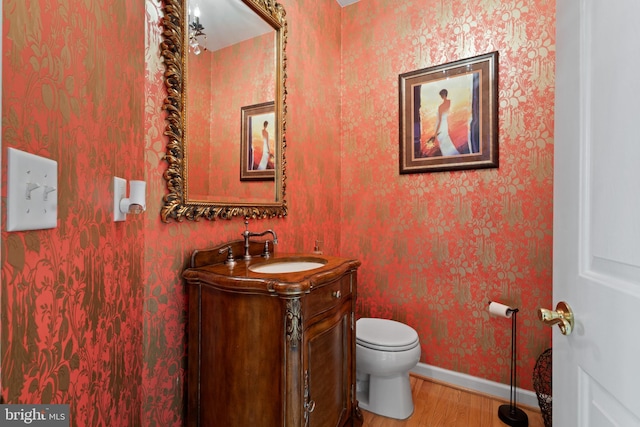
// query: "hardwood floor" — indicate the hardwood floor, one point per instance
point(441, 405)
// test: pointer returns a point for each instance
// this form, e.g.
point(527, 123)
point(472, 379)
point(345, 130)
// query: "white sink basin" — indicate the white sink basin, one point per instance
point(287, 266)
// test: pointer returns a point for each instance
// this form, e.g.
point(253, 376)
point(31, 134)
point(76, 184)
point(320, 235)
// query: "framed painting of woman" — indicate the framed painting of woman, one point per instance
point(449, 116)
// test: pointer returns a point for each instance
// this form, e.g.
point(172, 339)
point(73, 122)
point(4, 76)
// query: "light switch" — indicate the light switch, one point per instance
point(32, 191)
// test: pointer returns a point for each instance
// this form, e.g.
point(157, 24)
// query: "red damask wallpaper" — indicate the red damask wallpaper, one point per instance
point(436, 247)
point(199, 110)
point(93, 312)
point(72, 297)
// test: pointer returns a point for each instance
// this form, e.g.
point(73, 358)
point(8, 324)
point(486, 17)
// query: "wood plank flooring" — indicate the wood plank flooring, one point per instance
point(441, 405)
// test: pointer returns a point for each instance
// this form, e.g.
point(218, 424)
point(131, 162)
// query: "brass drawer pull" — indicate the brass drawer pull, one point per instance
point(336, 294)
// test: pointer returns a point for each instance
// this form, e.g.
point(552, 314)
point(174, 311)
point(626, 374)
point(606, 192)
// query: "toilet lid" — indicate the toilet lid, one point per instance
point(384, 334)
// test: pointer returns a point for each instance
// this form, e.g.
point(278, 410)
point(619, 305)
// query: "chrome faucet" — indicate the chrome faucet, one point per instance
point(246, 234)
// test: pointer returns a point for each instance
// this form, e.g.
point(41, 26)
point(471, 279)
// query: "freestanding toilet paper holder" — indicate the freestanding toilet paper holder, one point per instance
point(510, 414)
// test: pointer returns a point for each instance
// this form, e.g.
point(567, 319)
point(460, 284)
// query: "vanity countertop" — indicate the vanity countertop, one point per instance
point(240, 276)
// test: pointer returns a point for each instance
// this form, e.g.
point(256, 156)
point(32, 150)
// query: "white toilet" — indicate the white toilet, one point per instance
point(386, 351)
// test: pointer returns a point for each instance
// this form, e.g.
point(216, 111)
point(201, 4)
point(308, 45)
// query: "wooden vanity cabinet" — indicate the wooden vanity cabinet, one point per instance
point(269, 350)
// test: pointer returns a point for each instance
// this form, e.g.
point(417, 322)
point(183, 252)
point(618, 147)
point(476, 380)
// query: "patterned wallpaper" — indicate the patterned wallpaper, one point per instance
point(436, 247)
point(93, 312)
point(199, 107)
point(73, 79)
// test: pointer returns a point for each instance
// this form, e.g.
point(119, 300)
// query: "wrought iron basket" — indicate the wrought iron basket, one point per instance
point(542, 385)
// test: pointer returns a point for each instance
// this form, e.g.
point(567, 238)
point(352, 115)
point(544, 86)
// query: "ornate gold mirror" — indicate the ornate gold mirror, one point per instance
point(226, 106)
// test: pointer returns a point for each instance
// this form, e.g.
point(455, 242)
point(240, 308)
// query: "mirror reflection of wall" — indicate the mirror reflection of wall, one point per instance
point(199, 108)
point(233, 67)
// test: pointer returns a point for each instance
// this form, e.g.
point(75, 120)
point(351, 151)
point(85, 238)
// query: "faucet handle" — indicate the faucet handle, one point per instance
point(266, 253)
point(230, 261)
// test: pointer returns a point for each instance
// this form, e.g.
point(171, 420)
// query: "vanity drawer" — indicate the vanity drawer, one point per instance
point(327, 296)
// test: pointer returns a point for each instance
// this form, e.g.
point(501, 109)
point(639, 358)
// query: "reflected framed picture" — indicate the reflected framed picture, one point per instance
point(257, 142)
point(449, 116)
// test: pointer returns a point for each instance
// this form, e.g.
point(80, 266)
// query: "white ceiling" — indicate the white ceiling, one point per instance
point(227, 22)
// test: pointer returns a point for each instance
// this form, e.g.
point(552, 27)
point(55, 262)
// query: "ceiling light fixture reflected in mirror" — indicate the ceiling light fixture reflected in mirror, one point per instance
point(196, 29)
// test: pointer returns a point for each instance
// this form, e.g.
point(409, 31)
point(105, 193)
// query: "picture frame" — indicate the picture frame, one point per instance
point(449, 116)
point(258, 131)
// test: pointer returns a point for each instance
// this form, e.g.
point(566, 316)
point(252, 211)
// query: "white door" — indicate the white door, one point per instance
point(596, 261)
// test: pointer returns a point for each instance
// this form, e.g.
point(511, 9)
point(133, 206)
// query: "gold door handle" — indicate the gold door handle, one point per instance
point(563, 317)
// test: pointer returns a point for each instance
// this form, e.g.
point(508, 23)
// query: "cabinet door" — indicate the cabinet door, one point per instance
point(327, 378)
point(235, 360)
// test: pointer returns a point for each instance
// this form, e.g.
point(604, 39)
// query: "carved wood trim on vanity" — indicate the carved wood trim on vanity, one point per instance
point(293, 319)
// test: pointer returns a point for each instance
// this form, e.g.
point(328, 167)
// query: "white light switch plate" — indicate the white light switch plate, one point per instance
point(32, 191)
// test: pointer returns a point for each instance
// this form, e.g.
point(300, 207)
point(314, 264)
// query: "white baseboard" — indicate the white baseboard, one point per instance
point(481, 385)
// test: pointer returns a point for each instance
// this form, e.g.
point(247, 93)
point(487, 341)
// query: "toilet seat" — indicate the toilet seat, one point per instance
point(385, 335)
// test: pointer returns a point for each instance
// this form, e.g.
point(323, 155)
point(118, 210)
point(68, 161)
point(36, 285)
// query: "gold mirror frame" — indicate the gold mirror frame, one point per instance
point(176, 205)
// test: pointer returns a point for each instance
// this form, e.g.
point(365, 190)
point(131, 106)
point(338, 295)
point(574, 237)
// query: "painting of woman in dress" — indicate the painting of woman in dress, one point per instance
point(261, 142)
point(447, 120)
point(449, 116)
point(258, 149)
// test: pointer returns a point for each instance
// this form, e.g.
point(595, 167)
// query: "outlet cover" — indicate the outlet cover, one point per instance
point(32, 191)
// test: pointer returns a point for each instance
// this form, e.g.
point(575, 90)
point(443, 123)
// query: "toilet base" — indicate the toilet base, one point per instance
point(387, 396)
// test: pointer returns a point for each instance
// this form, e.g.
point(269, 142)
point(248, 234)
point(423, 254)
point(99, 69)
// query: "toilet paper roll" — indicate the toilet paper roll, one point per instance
point(501, 310)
